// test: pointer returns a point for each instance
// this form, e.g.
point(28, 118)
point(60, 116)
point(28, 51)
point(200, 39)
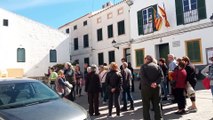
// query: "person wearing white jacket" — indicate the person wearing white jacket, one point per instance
point(208, 72)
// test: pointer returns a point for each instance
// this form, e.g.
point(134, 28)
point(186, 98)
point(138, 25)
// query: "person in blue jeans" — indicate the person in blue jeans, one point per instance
point(162, 64)
point(127, 83)
point(208, 72)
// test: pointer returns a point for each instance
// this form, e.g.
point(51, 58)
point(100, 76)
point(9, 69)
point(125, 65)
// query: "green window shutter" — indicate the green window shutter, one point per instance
point(20, 55)
point(99, 34)
point(75, 43)
point(201, 9)
point(86, 60)
point(53, 56)
point(110, 31)
point(121, 27)
point(139, 57)
point(86, 41)
point(179, 12)
point(111, 56)
point(193, 51)
point(100, 58)
point(140, 22)
point(153, 21)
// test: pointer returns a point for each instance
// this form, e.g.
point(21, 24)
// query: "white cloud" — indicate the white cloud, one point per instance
point(24, 4)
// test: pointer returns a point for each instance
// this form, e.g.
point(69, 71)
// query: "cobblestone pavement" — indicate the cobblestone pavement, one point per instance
point(204, 104)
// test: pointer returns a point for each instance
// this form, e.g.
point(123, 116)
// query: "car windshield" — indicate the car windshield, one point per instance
point(22, 94)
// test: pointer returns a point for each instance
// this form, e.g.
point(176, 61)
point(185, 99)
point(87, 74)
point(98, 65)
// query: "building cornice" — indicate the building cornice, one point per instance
point(173, 32)
point(74, 20)
point(107, 8)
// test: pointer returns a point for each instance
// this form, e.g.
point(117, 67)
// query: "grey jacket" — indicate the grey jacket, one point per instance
point(151, 73)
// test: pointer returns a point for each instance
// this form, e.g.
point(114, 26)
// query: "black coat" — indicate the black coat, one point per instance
point(114, 80)
point(191, 74)
point(92, 83)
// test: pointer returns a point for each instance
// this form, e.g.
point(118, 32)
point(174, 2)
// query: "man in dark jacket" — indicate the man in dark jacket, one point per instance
point(127, 84)
point(151, 76)
point(93, 87)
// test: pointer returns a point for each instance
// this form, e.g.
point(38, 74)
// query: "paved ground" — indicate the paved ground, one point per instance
point(204, 104)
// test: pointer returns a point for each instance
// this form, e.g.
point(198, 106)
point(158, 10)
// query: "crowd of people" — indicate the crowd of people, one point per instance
point(158, 82)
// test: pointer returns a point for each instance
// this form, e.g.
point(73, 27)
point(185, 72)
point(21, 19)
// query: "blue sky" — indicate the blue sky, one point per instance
point(53, 13)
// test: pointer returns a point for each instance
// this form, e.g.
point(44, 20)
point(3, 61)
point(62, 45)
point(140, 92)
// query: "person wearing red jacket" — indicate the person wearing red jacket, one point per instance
point(179, 75)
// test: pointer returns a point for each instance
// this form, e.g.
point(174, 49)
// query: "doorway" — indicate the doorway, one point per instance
point(162, 51)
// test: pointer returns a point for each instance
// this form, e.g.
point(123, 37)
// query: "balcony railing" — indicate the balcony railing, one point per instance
point(148, 28)
point(190, 16)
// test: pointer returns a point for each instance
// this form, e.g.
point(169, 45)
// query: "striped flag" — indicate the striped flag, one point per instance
point(163, 13)
point(157, 20)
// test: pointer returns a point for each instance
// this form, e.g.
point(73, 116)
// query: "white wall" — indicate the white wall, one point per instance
point(37, 39)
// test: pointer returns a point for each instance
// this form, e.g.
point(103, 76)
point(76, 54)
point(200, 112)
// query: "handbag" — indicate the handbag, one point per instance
point(206, 83)
point(189, 89)
point(67, 88)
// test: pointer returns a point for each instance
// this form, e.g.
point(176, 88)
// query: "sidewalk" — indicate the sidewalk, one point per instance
point(203, 100)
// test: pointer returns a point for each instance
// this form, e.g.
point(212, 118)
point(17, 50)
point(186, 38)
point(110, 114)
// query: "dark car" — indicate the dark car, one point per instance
point(28, 99)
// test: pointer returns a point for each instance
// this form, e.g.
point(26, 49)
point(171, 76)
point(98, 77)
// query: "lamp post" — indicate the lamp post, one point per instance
point(129, 2)
point(211, 18)
point(114, 44)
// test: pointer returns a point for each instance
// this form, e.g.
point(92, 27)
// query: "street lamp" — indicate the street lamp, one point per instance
point(129, 2)
point(114, 44)
point(211, 18)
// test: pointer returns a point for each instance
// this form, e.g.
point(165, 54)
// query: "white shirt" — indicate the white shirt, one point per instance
point(205, 72)
point(102, 76)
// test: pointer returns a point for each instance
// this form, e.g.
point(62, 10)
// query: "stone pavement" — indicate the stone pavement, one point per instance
point(204, 104)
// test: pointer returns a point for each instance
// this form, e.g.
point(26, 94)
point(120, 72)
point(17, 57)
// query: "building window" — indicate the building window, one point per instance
point(127, 54)
point(120, 11)
point(111, 56)
point(67, 30)
point(5, 22)
point(86, 60)
point(85, 23)
point(86, 41)
point(20, 55)
point(147, 20)
point(99, 34)
point(75, 27)
point(99, 20)
point(53, 56)
point(109, 15)
point(139, 54)
point(100, 58)
point(75, 43)
point(110, 31)
point(75, 62)
point(121, 28)
point(193, 50)
point(188, 11)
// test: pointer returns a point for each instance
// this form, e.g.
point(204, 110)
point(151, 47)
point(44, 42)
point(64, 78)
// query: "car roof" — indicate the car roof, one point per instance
point(16, 80)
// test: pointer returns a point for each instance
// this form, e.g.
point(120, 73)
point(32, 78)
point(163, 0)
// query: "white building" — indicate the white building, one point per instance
point(111, 23)
point(190, 31)
point(80, 38)
point(28, 48)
